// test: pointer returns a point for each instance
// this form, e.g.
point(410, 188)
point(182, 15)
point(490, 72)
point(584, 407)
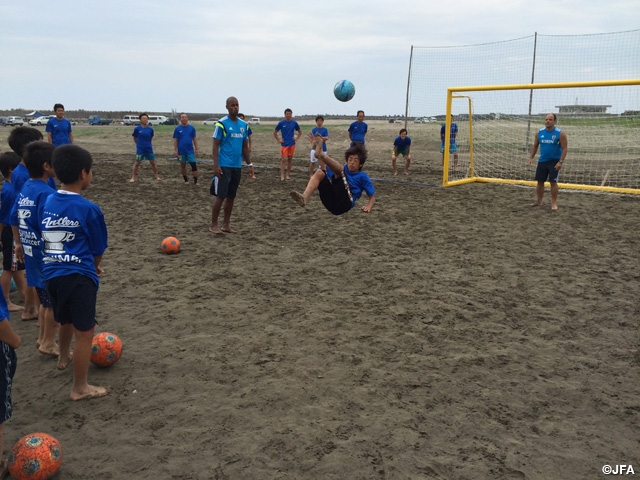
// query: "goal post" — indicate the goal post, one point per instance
point(494, 138)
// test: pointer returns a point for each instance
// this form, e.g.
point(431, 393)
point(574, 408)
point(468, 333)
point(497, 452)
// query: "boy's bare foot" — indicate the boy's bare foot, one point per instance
point(52, 350)
point(14, 308)
point(395, 173)
point(132, 180)
point(554, 207)
point(281, 178)
point(215, 230)
point(298, 197)
point(406, 172)
point(536, 204)
point(62, 364)
point(89, 392)
point(29, 316)
point(229, 230)
point(288, 177)
point(157, 178)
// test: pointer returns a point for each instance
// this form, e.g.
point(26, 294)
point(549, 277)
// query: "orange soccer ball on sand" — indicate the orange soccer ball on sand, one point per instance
point(170, 245)
point(36, 456)
point(106, 349)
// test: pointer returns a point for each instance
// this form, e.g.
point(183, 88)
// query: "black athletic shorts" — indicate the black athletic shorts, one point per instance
point(334, 195)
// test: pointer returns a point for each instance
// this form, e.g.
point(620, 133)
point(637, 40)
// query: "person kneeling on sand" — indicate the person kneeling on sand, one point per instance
point(342, 185)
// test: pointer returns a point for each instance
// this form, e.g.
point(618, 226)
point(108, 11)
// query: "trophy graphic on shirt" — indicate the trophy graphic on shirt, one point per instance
point(54, 241)
point(22, 215)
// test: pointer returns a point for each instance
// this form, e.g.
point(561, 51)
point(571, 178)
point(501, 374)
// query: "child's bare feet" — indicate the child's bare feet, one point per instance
point(132, 180)
point(14, 308)
point(298, 197)
point(89, 392)
point(62, 364)
point(229, 230)
point(215, 230)
point(30, 315)
point(157, 178)
point(52, 350)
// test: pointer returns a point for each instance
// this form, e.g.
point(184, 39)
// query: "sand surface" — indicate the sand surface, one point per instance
point(451, 333)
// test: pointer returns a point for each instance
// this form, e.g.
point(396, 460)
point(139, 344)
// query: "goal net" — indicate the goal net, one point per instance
point(495, 133)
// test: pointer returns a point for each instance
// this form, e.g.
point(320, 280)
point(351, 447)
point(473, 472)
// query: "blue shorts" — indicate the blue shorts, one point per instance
point(452, 148)
point(189, 157)
point(547, 170)
point(227, 185)
point(73, 298)
point(145, 156)
point(8, 364)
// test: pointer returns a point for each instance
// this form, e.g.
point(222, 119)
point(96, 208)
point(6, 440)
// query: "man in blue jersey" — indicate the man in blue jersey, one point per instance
point(230, 147)
point(142, 137)
point(288, 127)
point(185, 147)
point(59, 128)
point(358, 129)
point(453, 148)
point(553, 150)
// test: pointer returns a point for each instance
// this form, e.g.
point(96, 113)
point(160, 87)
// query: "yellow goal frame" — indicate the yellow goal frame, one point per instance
point(452, 93)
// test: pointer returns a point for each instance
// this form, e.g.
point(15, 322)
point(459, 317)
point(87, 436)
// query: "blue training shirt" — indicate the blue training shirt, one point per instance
point(232, 136)
point(403, 145)
point(288, 130)
point(59, 130)
point(73, 233)
point(143, 136)
point(26, 215)
point(358, 182)
point(550, 148)
point(185, 136)
point(454, 132)
point(358, 131)
point(323, 133)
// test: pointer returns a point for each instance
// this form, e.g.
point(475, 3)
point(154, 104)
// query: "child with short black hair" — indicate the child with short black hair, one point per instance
point(27, 233)
point(9, 342)
point(19, 139)
point(11, 268)
point(75, 237)
point(401, 146)
point(342, 185)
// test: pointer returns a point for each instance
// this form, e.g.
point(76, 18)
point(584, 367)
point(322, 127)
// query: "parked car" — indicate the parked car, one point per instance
point(254, 121)
point(97, 120)
point(170, 121)
point(398, 120)
point(40, 120)
point(3, 121)
point(210, 121)
point(13, 121)
point(131, 120)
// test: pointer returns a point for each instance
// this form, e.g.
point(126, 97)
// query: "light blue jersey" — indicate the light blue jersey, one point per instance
point(232, 136)
point(550, 148)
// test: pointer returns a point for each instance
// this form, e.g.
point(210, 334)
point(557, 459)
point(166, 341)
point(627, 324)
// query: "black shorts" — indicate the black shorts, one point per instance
point(546, 170)
point(334, 195)
point(73, 298)
point(227, 185)
point(8, 364)
point(9, 262)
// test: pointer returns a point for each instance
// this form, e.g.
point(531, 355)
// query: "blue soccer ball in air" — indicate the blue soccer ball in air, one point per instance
point(344, 90)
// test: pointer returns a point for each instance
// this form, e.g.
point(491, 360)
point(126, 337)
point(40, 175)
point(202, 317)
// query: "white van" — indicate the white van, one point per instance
point(156, 119)
point(131, 120)
point(254, 121)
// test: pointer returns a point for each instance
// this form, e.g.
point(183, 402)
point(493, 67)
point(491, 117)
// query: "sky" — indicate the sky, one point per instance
point(190, 56)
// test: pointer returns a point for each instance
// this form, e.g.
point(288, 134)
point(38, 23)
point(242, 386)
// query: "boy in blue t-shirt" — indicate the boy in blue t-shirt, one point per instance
point(18, 140)
point(11, 268)
point(288, 127)
point(75, 237)
point(453, 148)
point(401, 146)
point(342, 185)
point(185, 147)
point(142, 137)
point(9, 342)
point(324, 133)
point(358, 129)
point(25, 223)
point(59, 128)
